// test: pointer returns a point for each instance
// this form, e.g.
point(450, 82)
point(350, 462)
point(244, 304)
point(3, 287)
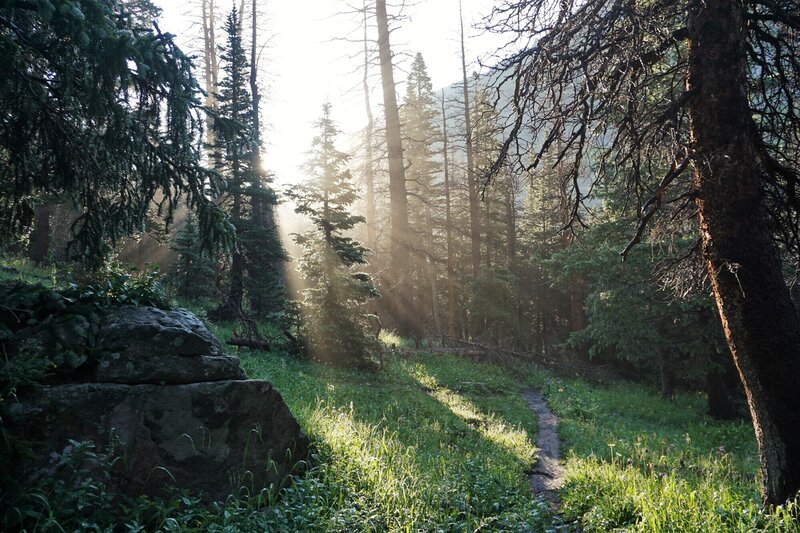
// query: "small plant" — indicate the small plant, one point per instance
point(72, 495)
point(118, 283)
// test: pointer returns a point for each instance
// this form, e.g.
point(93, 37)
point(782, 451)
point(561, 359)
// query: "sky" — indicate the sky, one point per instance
point(308, 61)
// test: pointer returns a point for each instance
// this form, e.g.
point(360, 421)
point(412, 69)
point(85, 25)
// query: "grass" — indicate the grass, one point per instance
point(431, 444)
point(438, 443)
point(635, 462)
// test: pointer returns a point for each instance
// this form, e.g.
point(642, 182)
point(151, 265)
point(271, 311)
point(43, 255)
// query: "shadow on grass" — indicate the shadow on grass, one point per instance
point(429, 441)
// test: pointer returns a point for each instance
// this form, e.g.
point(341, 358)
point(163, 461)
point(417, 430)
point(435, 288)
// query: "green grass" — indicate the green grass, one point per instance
point(431, 444)
point(438, 443)
point(635, 462)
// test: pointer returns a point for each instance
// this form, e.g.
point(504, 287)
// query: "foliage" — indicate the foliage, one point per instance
point(74, 496)
point(118, 283)
point(628, 309)
point(636, 462)
point(101, 111)
point(335, 321)
point(194, 270)
point(493, 303)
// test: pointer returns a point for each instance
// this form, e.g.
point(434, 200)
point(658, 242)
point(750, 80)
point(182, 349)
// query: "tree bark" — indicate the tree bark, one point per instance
point(666, 369)
point(400, 297)
point(472, 185)
point(487, 207)
point(760, 322)
point(210, 60)
point(254, 94)
point(40, 238)
point(451, 296)
point(369, 173)
point(721, 390)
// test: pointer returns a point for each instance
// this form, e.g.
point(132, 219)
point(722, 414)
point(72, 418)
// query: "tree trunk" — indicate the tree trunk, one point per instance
point(40, 238)
point(256, 97)
point(400, 298)
point(451, 296)
point(577, 294)
point(758, 317)
point(369, 173)
point(210, 60)
point(511, 224)
point(472, 185)
point(487, 206)
point(666, 370)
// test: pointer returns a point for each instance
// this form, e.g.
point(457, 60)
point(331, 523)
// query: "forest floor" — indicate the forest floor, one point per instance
point(436, 442)
point(450, 445)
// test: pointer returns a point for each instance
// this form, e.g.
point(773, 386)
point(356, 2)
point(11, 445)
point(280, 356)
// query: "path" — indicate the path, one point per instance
point(547, 475)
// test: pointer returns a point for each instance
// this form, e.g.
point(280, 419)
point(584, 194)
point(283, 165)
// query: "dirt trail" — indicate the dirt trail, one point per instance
point(547, 475)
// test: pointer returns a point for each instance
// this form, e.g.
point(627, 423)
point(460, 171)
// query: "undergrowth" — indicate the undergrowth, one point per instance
point(636, 462)
point(438, 443)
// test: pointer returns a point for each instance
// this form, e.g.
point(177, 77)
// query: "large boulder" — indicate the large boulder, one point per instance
point(143, 345)
point(177, 410)
point(213, 437)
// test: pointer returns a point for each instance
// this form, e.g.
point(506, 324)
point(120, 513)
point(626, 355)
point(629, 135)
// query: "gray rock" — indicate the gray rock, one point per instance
point(213, 437)
point(178, 410)
point(138, 330)
point(161, 369)
point(145, 345)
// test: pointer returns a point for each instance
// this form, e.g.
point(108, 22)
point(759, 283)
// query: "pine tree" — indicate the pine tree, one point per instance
point(336, 322)
point(194, 271)
point(256, 262)
point(419, 117)
point(264, 254)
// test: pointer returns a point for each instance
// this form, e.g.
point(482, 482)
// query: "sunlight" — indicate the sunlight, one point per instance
point(310, 50)
point(369, 456)
point(495, 430)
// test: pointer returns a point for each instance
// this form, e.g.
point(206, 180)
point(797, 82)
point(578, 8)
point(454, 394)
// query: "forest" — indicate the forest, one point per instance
point(528, 266)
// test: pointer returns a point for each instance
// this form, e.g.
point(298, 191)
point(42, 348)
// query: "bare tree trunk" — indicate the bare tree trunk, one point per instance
point(511, 224)
point(760, 322)
point(210, 61)
point(474, 204)
point(487, 206)
point(400, 297)
point(666, 369)
point(256, 97)
point(40, 238)
point(369, 172)
point(430, 273)
point(451, 288)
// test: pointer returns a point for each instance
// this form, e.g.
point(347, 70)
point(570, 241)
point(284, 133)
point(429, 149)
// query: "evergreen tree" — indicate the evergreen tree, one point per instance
point(256, 262)
point(100, 110)
point(419, 117)
point(336, 321)
point(264, 254)
point(194, 271)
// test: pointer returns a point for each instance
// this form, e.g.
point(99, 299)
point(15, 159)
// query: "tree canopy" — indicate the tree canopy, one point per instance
point(103, 112)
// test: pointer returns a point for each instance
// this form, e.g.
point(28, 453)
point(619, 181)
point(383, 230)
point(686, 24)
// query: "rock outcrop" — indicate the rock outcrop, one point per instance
point(179, 412)
point(145, 345)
